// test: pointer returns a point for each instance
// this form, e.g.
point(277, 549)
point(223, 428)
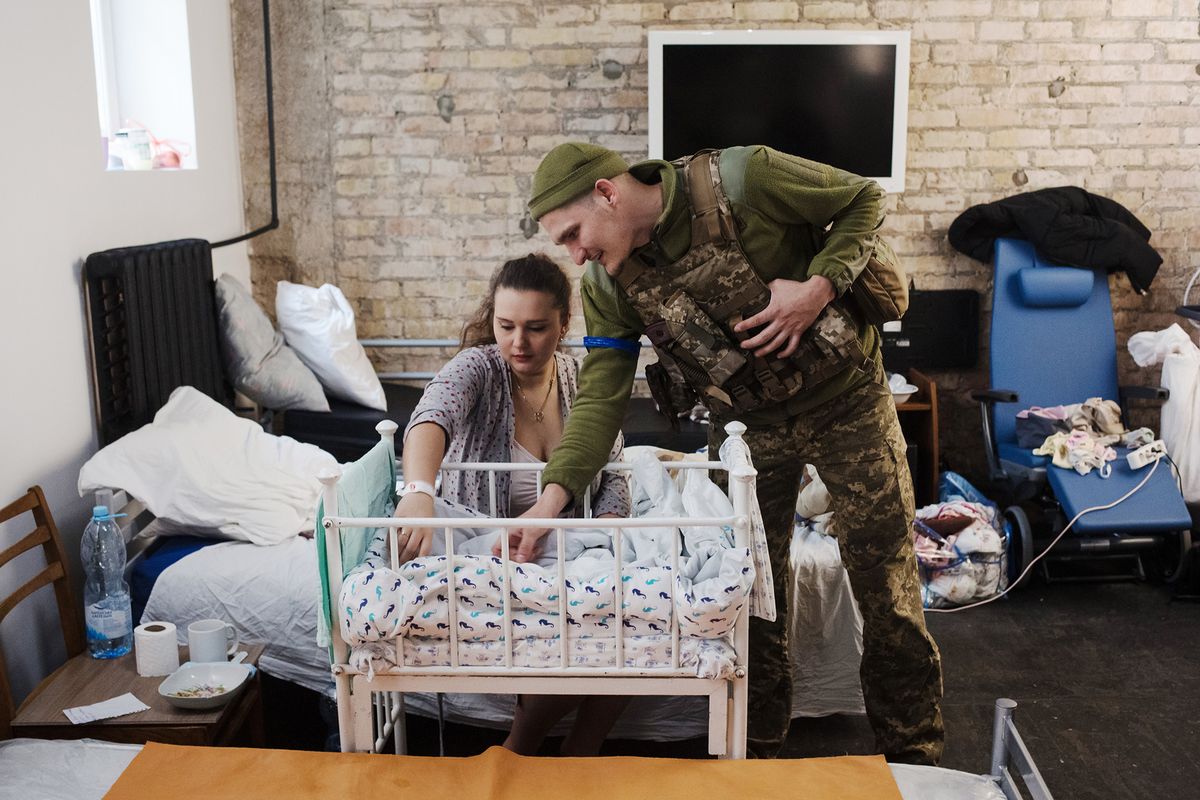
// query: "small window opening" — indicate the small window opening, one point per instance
point(144, 84)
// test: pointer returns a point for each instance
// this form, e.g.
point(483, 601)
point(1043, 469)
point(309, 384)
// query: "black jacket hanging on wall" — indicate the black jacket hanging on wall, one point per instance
point(1066, 225)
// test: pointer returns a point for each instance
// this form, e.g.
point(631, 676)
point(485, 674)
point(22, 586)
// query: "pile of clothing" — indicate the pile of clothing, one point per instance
point(1079, 436)
point(961, 546)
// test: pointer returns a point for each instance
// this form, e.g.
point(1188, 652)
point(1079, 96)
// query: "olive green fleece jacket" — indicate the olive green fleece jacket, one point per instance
point(796, 218)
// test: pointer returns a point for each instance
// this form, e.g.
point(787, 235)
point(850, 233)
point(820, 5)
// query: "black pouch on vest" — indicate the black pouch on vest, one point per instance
point(660, 390)
point(672, 382)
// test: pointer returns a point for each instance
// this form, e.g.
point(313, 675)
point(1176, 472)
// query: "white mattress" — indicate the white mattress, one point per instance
point(270, 596)
point(268, 593)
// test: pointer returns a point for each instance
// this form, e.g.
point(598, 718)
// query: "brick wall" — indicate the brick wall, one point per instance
point(407, 133)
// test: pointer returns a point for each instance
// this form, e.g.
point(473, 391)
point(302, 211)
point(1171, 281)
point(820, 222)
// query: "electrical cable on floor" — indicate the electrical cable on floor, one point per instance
point(1062, 533)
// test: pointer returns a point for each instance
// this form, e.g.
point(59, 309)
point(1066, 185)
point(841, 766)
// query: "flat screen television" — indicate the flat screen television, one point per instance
point(839, 97)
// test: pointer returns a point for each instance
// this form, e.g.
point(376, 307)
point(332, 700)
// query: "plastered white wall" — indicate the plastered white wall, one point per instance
point(57, 204)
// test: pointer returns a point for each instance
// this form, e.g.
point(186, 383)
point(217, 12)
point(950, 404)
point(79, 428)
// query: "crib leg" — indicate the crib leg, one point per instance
point(737, 719)
point(718, 715)
point(363, 708)
point(344, 712)
point(400, 729)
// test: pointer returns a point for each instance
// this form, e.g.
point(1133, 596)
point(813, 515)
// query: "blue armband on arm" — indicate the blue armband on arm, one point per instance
point(591, 342)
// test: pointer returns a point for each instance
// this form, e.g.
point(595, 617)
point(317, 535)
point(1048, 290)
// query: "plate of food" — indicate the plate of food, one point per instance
point(204, 685)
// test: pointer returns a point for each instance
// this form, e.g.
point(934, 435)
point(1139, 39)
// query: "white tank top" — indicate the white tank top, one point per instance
point(522, 489)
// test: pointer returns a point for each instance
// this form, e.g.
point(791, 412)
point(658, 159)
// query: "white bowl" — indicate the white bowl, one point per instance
point(902, 394)
point(204, 685)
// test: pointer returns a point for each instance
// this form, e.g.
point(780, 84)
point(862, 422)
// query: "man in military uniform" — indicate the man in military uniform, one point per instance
point(737, 266)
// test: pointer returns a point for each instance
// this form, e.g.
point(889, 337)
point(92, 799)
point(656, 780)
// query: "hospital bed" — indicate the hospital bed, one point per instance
point(87, 769)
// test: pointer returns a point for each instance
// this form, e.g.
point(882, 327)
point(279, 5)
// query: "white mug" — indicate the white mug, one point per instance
point(211, 640)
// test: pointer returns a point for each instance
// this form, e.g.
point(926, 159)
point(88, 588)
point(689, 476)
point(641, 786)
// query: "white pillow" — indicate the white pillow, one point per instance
point(199, 465)
point(319, 325)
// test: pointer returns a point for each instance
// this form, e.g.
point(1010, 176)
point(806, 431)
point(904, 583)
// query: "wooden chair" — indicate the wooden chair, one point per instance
point(55, 574)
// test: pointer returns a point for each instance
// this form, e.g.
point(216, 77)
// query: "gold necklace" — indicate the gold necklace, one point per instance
point(539, 412)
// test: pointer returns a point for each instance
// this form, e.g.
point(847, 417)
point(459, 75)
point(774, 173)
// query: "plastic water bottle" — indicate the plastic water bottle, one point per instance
point(105, 592)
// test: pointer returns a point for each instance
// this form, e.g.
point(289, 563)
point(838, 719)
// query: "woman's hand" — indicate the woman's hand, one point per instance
point(414, 542)
point(523, 542)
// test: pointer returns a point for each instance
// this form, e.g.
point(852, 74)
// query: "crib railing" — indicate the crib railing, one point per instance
point(727, 716)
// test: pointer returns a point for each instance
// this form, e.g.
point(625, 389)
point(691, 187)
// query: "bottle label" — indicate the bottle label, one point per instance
point(108, 623)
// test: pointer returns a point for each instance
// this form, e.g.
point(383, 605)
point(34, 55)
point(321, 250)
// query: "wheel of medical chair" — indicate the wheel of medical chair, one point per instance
point(1165, 563)
point(1020, 545)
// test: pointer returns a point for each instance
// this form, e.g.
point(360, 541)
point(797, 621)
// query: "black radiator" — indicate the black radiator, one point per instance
point(153, 327)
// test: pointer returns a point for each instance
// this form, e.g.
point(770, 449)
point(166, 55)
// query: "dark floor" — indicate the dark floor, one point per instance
point(1107, 677)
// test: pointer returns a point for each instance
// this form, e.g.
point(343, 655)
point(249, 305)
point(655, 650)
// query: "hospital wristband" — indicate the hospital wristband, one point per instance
point(424, 487)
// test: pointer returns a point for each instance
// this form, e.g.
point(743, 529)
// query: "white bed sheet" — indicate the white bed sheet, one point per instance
point(86, 769)
point(82, 769)
point(269, 594)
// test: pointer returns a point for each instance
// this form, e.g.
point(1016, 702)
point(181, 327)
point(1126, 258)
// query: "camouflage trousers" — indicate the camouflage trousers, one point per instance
point(856, 444)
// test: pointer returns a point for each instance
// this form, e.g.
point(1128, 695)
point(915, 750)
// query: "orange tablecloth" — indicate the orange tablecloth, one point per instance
point(181, 773)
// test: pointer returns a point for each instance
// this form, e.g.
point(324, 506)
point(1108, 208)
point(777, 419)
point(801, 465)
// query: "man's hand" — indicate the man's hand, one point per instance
point(523, 542)
point(794, 306)
point(414, 542)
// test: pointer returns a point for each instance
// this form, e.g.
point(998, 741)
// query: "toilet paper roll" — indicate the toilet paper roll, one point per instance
point(155, 649)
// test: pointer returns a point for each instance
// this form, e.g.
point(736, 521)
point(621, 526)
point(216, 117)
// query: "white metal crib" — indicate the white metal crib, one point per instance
point(370, 709)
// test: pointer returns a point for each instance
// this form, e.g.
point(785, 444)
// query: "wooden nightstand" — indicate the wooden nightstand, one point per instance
point(84, 680)
point(919, 419)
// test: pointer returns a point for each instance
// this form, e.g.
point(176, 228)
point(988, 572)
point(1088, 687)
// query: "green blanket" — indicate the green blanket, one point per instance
point(367, 488)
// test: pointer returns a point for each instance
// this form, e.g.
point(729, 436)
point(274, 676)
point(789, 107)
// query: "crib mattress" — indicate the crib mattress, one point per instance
point(708, 658)
point(706, 590)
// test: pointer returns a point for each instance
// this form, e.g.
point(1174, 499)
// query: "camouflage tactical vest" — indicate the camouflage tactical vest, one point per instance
point(689, 309)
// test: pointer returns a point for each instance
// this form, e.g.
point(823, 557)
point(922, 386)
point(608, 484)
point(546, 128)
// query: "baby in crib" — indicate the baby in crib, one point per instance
point(504, 398)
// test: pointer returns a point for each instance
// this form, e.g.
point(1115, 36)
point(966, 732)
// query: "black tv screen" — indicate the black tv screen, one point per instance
point(841, 103)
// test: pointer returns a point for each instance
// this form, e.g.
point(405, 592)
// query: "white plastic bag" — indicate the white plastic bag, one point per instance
point(824, 628)
point(319, 325)
point(813, 500)
point(1180, 427)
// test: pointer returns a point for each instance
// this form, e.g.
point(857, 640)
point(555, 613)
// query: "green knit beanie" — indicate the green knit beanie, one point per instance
point(570, 170)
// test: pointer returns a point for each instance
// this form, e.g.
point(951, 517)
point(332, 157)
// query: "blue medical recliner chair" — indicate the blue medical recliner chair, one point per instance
point(1053, 343)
